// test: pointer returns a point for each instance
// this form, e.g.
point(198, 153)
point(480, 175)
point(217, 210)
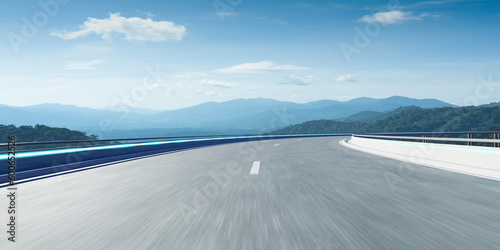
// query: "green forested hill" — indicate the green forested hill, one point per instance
point(41, 133)
point(412, 120)
point(372, 116)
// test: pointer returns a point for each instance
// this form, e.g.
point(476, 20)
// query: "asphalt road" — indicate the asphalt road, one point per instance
point(309, 193)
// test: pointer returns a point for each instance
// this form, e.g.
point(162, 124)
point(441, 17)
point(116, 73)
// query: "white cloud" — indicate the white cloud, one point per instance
point(259, 67)
point(190, 74)
point(215, 83)
point(428, 15)
point(133, 28)
point(297, 80)
point(392, 17)
point(74, 65)
point(223, 14)
point(347, 78)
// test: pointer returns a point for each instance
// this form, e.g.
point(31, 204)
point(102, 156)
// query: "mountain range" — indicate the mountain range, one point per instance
point(235, 116)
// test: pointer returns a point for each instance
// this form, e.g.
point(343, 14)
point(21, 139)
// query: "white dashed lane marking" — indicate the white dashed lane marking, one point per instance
point(255, 168)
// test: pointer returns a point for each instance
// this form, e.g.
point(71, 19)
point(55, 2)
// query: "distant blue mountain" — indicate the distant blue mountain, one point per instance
point(56, 115)
point(253, 115)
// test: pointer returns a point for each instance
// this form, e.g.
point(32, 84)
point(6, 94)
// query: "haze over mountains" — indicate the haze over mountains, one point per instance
point(235, 116)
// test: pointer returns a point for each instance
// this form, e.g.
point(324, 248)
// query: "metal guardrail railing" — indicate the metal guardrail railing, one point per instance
point(82, 144)
point(124, 139)
point(436, 137)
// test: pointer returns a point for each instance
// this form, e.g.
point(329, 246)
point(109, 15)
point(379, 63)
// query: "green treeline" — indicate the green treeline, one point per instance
point(411, 120)
point(41, 133)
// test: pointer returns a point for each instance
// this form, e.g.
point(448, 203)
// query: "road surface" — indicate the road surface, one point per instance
point(308, 193)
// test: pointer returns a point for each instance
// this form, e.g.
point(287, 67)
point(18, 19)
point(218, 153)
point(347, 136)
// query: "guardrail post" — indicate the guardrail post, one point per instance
point(497, 137)
point(424, 140)
point(469, 136)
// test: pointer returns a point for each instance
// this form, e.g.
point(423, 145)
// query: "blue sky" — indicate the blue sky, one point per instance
point(173, 54)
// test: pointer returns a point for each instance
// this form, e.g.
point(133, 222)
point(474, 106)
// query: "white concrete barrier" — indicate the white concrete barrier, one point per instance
point(471, 160)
